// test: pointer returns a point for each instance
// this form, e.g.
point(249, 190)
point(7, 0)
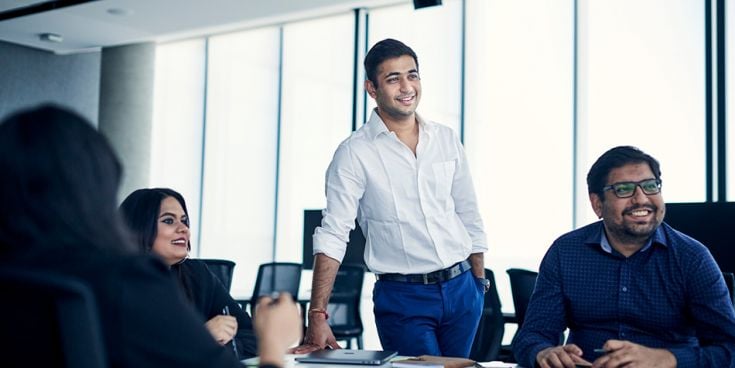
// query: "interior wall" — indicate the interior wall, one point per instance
point(29, 77)
point(126, 109)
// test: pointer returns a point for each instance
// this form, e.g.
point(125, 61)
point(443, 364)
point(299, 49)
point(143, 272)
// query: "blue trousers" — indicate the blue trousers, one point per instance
point(436, 319)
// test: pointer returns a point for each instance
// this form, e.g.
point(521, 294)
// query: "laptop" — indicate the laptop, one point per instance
point(346, 356)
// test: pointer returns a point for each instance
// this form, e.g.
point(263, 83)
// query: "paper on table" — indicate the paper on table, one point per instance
point(288, 360)
point(433, 361)
point(415, 364)
point(497, 364)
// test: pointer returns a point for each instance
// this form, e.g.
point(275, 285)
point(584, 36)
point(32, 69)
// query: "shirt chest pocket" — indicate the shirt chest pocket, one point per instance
point(443, 178)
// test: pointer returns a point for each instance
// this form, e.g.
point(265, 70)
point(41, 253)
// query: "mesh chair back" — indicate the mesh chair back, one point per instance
point(489, 336)
point(276, 277)
point(522, 283)
point(223, 269)
point(48, 320)
point(730, 281)
point(344, 304)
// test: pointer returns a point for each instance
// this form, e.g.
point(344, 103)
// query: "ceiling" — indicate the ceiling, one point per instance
point(89, 25)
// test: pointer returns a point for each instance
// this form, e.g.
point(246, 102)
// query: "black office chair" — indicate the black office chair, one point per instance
point(221, 268)
point(730, 281)
point(276, 277)
point(344, 304)
point(489, 336)
point(48, 321)
point(522, 283)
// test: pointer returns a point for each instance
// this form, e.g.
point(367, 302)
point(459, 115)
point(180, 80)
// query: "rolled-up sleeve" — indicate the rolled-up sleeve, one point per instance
point(344, 186)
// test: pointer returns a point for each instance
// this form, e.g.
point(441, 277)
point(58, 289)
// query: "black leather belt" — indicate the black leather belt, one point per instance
point(431, 277)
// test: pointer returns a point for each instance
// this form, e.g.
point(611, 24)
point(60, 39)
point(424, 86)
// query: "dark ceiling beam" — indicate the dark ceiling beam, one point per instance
point(39, 8)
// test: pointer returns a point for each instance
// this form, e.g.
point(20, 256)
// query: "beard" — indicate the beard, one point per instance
point(631, 231)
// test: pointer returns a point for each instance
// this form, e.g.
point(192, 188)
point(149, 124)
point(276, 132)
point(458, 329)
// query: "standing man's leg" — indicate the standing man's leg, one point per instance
point(407, 316)
point(463, 301)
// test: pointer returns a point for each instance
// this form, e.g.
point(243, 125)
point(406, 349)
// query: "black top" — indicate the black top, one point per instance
point(209, 297)
point(145, 319)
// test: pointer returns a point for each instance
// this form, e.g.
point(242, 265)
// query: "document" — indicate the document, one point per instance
point(497, 364)
point(431, 361)
point(415, 364)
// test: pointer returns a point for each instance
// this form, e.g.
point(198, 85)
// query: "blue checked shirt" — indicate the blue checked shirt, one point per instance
point(670, 295)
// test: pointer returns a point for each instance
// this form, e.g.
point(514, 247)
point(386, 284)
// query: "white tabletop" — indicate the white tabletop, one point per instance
point(290, 362)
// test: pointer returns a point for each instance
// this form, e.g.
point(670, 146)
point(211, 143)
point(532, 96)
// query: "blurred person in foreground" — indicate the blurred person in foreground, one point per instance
point(58, 215)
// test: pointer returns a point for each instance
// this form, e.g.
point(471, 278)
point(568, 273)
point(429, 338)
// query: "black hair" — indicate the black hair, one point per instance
point(58, 186)
point(615, 158)
point(383, 50)
point(140, 211)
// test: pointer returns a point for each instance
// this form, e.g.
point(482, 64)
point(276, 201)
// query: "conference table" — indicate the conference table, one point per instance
point(290, 362)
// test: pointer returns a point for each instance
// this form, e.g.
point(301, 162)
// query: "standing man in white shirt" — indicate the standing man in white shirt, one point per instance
point(407, 181)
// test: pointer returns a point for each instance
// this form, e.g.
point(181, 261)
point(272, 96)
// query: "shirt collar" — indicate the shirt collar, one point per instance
point(599, 238)
point(375, 125)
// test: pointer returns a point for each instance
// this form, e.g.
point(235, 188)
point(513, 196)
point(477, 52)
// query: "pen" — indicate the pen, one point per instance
point(274, 297)
point(226, 312)
point(600, 351)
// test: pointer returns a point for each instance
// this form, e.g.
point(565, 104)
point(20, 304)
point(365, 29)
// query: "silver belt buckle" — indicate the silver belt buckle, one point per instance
point(426, 278)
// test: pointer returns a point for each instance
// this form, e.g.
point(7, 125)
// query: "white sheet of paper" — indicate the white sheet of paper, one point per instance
point(497, 364)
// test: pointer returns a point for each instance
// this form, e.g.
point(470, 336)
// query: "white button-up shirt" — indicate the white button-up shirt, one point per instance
point(418, 213)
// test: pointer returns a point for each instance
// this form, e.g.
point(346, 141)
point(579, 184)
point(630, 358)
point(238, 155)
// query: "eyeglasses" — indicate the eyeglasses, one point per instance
point(627, 189)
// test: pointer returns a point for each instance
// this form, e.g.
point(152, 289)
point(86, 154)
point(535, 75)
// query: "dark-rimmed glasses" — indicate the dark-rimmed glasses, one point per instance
point(626, 189)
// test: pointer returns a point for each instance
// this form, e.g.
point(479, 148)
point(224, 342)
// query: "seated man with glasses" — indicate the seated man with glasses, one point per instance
point(633, 291)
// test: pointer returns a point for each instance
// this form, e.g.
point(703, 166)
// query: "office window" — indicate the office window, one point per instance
point(316, 115)
point(240, 152)
point(178, 112)
point(518, 127)
point(730, 93)
point(641, 83)
point(434, 33)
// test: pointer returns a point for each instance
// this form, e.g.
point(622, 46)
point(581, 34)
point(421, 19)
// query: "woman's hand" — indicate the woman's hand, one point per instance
point(278, 326)
point(223, 328)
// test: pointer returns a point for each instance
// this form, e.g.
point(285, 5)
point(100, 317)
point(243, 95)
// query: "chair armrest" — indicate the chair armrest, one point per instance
point(510, 318)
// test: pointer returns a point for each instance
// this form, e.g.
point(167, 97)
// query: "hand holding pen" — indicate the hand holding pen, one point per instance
point(222, 327)
point(226, 312)
point(619, 353)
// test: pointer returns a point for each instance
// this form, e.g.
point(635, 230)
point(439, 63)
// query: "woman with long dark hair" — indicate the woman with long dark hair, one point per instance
point(58, 185)
point(159, 221)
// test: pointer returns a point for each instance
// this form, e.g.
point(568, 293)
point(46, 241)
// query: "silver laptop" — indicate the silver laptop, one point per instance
point(346, 356)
